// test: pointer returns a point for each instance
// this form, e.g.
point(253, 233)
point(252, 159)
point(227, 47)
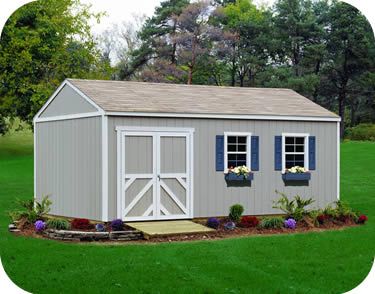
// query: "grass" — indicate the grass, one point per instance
point(327, 262)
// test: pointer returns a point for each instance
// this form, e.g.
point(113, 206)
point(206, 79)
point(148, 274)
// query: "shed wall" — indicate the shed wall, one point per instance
point(68, 166)
point(67, 101)
point(212, 197)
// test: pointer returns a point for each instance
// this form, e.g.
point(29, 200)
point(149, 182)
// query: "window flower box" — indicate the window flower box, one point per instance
point(235, 177)
point(306, 176)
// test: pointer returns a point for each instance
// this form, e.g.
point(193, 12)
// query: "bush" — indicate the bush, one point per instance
point(344, 212)
point(213, 222)
point(272, 223)
point(31, 210)
point(81, 224)
point(58, 224)
point(362, 219)
point(249, 221)
point(117, 225)
point(295, 208)
point(323, 218)
point(100, 227)
point(235, 212)
point(39, 225)
point(229, 226)
point(361, 132)
point(290, 223)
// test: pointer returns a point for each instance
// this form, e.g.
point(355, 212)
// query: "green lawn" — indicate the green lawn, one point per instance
point(328, 262)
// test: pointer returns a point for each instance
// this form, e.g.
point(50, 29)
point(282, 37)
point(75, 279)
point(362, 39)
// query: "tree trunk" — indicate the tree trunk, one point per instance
point(242, 77)
point(190, 76)
point(234, 69)
point(342, 100)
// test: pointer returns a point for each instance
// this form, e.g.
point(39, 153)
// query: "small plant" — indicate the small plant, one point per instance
point(117, 225)
point(295, 208)
point(238, 170)
point(229, 226)
point(272, 223)
point(235, 212)
point(213, 223)
point(100, 227)
point(31, 210)
point(39, 225)
point(344, 211)
point(58, 224)
point(81, 224)
point(362, 219)
point(249, 221)
point(323, 218)
point(290, 223)
point(296, 170)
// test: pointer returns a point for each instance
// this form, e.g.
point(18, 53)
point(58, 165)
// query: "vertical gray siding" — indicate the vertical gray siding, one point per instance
point(68, 165)
point(212, 197)
point(67, 101)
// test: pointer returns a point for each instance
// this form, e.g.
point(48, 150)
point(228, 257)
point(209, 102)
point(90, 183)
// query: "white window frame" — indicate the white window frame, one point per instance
point(306, 148)
point(248, 147)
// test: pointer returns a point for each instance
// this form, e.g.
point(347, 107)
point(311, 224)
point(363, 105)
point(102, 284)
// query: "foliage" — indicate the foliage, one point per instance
point(239, 170)
point(249, 221)
point(100, 227)
point(229, 226)
point(272, 223)
point(296, 170)
point(344, 211)
point(213, 222)
point(117, 225)
point(295, 208)
point(39, 225)
point(362, 219)
point(31, 210)
point(290, 223)
point(361, 132)
point(43, 43)
point(235, 212)
point(58, 224)
point(81, 224)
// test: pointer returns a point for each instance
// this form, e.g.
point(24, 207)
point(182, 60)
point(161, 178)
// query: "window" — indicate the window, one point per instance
point(294, 151)
point(237, 149)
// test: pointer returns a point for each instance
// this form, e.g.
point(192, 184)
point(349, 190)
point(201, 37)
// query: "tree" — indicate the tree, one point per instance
point(42, 43)
point(351, 51)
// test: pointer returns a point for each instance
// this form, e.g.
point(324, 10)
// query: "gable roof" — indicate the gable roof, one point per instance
point(140, 97)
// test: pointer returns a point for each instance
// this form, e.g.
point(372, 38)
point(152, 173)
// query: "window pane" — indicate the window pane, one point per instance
point(289, 148)
point(289, 140)
point(300, 140)
point(241, 148)
point(231, 139)
point(242, 140)
point(299, 148)
point(289, 164)
point(289, 157)
point(231, 147)
point(232, 157)
point(299, 157)
point(300, 163)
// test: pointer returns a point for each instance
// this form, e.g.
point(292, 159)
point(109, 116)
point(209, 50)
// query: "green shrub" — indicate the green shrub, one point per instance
point(31, 210)
point(272, 223)
point(361, 132)
point(344, 211)
point(295, 208)
point(235, 212)
point(58, 224)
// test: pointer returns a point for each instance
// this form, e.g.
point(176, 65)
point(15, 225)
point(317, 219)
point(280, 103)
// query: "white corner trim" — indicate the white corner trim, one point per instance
point(306, 149)
point(68, 116)
point(104, 168)
point(226, 116)
point(66, 82)
point(34, 135)
point(248, 147)
point(338, 160)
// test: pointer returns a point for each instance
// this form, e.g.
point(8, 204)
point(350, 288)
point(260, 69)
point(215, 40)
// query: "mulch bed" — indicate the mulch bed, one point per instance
point(220, 233)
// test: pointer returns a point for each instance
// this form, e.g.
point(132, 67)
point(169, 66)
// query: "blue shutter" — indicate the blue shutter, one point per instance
point(278, 153)
point(312, 150)
point(254, 152)
point(219, 153)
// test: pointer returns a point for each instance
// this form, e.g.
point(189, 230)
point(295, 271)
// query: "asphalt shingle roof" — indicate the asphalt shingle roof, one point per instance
point(124, 96)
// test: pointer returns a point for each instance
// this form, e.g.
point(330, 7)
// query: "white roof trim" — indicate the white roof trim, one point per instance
point(66, 82)
point(226, 116)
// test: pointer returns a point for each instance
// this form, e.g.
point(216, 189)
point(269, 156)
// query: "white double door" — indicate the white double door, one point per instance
point(155, 170)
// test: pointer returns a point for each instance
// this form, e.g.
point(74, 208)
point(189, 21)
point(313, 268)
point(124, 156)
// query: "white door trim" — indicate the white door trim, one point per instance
point(155, 133)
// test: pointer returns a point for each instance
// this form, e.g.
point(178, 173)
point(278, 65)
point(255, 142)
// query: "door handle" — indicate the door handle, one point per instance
point(159, 177)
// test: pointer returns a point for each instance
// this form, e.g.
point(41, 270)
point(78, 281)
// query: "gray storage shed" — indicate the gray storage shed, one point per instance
point(144, 151)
